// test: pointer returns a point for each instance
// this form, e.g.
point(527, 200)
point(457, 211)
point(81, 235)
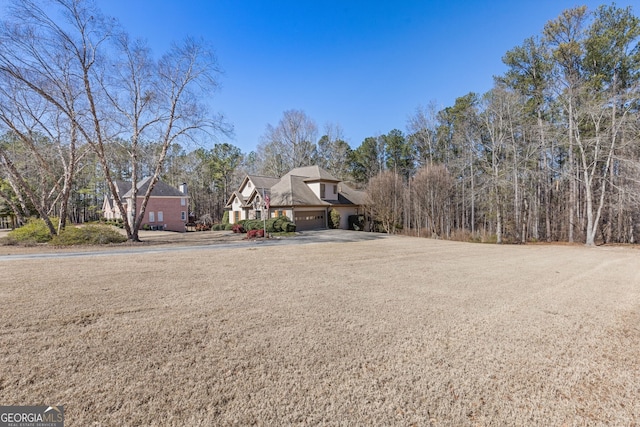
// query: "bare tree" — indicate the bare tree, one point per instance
point(288, 145)
point(117, 89)
point(333, 152)
point(423, 134)
point(431, 190)
point(385, 194)
point(565, 35)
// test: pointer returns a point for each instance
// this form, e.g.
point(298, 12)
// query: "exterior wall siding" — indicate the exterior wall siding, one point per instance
point(329, 190)
point(171, 209)
point(236, 211)
point(247, 190)
point(345, 212)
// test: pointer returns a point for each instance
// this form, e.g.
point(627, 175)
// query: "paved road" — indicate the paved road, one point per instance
point(319, 236)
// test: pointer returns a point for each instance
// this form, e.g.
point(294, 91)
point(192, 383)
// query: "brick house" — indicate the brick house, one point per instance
point(167, 208)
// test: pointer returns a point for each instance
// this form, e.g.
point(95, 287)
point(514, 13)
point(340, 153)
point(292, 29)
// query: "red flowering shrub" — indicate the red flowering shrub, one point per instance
point(252, 234)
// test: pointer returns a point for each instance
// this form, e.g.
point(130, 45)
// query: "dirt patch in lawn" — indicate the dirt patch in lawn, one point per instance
point(401, 331)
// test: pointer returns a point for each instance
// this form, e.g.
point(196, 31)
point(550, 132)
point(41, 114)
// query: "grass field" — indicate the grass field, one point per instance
point(397, 331)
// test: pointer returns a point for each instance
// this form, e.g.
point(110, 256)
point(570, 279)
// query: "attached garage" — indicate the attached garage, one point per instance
point(310, 220)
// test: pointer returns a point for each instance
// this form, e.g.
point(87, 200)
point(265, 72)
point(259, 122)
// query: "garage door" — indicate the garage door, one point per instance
point(310, 220)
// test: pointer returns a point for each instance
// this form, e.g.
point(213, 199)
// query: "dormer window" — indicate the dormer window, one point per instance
point(249, 184)
point(322, 191)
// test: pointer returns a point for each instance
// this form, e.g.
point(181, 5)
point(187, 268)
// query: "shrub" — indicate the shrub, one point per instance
point(88, 235)
point(273, 225)
point(228, 227)
point(237, 228)
point(225, 217)
point(34, 231)
point(334, 219)
point(356, 222)
point(252, 224)
point(205, 220)
point(280, 223)
point(252, 234)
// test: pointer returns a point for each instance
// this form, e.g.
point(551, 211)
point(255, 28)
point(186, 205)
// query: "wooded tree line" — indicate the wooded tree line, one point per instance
point(550, 153)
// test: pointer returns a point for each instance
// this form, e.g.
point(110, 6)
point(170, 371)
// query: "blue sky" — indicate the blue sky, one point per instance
point(365, 65)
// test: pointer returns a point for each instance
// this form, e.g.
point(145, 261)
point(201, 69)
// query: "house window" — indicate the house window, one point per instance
point(183, 201)
point(258, 214)
point(152, 217)
point(183, 215)
point(322, 191)
point(236, 217)
point(160, 216)
point(335, 189)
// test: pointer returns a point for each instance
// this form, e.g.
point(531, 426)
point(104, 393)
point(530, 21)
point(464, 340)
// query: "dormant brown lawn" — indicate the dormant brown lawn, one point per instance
point(399, 331)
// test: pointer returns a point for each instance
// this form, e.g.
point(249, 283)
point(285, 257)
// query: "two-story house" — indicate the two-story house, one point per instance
point(167, 208)
point(306, 195)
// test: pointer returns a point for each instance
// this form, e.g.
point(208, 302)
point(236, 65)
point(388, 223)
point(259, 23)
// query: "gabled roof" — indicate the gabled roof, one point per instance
point(161, 189)
point(293, 190)
point(107, 204)
point(260, 181)
point(313, 173)
point(122, 187)
point(349, 196)
point(235, 194)
point(259, 193)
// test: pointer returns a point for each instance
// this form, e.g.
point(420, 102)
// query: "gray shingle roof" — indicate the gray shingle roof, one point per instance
point(349, 196)
point(292, 190)
point(122, 187)
point(263, 181)
point(161, 189)
point(313, 173)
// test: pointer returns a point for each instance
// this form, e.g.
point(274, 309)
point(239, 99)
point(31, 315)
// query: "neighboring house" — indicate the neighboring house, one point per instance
point(167, 209)
point(7, 219)
point(306, 195)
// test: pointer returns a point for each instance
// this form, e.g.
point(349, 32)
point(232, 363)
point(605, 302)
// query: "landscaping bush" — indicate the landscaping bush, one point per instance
point(356, 222)
point(273, 225)
point(237, 228)
point(252, 224)
point(280, 224)
point(202, 227)
point(228, 227)
point(225, 217)
point(34, 231)
point(88, 235)
point(334, 219)
point(118, 222)
point(252, 234)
